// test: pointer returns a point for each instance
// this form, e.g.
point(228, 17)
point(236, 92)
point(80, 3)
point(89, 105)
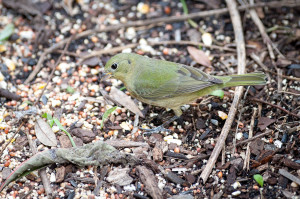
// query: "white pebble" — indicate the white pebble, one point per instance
point(236, 185)
point(55, 129)
point(207, 39)
point(27, 34)
point(239, 136)
point(294, 184)
point(56, 103)
point(130, 33)
point(52, 177)
point(236, 193)
point(278, 144)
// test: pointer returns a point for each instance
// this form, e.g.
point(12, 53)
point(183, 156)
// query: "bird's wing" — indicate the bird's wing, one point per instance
point(168, 84)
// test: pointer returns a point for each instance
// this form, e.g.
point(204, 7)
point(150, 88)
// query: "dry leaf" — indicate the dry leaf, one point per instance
point(264, 122)
point(44, 133)
point(199, 56)
point(125, 101)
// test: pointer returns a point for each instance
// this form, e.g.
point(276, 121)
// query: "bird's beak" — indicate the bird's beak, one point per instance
point(106, 76)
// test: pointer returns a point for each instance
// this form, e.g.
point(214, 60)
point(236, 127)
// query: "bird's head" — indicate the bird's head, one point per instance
point(120, 65)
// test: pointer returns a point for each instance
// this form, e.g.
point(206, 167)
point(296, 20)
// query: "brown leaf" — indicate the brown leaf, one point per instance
point(125, 101)
point(44, 133)
point(199, 56)
point(148, 179)
point(263, 122)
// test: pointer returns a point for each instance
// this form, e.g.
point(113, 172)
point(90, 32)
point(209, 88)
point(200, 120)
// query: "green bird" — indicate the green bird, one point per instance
point(168, 84)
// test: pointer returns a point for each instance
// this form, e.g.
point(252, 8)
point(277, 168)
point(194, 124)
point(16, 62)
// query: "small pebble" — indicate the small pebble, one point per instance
point(236, 193)
point(130, 33)
point(215, 122)
point(222, 115)
point(294, 184)
point(239, 136)
point(143, 8)
point(207, 39)
point(52, 177)
point(236, 185)
point(278, 143)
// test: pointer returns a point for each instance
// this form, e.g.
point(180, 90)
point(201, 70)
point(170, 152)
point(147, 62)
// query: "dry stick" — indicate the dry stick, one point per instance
point(9, 141)
point(259, 62)
point(120, 48)
point(265, 68)
point(276, 106)
point(107, 51)
point(241, 52)
point(171, 42)
point(289, 93)
point(239, 118)
point(247, 159)
point(290, 176)
point(279, 79)
point(262, 30)
point(250, 139)
point(157, 21)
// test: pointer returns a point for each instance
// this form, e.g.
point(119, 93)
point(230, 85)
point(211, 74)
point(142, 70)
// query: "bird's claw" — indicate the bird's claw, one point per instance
point(158, 129)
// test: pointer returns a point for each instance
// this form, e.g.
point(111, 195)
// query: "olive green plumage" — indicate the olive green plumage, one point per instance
point(168, 84)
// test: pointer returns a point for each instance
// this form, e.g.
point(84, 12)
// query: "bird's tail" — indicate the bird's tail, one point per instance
point(244, 79)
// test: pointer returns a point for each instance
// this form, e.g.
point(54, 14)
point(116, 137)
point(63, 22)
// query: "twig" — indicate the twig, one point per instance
point(276, 106)
point(289, 176)
point(247, 159)
point(135, 125)
point(289, 93)
point(261, 29)
point(9, 95)
point(279, 79)
point(239, 118)
point(12, 137)
point(157, 21)
point(265, 68)
point(193, 44)
point(120, 48)
point(250, 139)
point(53, 69)
point(106, 51)
point(241, 52)
point(259, 62)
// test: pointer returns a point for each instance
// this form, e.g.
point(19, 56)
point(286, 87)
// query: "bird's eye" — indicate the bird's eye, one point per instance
point(114, 66)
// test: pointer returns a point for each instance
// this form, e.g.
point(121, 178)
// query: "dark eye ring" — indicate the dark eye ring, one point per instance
point(114, 66)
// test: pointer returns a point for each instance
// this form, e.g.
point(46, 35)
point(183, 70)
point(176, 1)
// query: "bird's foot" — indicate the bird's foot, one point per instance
point(158, 129)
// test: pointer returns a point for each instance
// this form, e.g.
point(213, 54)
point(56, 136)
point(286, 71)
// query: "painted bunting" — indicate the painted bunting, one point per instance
point(168, 84)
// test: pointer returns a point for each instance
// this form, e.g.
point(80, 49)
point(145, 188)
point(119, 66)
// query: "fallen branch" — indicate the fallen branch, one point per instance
point(276, 106)
point(157, 21)
point(241, 52)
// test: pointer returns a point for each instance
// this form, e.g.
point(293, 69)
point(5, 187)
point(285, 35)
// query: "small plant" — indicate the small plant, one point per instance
point(106, 114)
point(51, 122)
point(6, 32)
point(259, 179)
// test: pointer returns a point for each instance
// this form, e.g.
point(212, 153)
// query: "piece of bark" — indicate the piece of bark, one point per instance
point(148, 179)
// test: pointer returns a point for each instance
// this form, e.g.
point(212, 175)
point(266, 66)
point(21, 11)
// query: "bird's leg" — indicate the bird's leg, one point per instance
point(161, 127)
